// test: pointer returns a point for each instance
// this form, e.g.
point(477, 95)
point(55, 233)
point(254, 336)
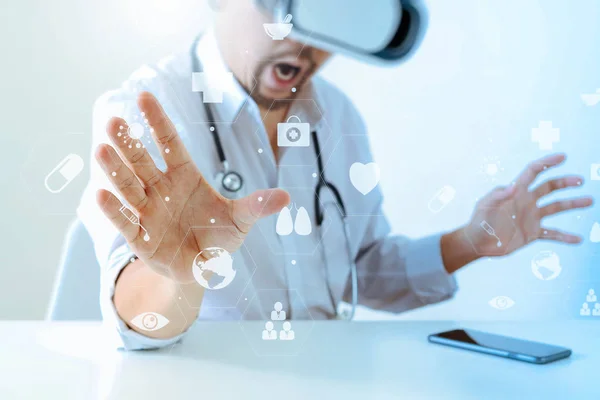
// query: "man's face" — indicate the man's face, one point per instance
point(268, 69)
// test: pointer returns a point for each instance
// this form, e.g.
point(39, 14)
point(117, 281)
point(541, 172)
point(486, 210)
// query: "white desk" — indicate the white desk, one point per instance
point(361, 360)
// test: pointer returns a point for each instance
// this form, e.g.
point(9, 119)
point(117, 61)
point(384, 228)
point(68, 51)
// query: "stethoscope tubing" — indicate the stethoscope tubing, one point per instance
point(322, 184)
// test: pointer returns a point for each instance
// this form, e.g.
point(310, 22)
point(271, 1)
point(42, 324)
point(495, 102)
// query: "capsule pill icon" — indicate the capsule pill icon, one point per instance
point(63, 173)
point(441, 199)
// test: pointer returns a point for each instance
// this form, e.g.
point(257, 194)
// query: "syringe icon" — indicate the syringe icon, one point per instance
point(134, 219)
point(490, 231)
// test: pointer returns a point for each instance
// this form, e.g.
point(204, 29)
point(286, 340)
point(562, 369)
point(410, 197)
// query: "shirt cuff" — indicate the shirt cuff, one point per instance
point(426, 273)
point(121, 336)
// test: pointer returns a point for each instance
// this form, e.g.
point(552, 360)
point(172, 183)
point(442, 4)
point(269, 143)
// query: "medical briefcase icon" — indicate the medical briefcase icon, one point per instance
point(293, 134)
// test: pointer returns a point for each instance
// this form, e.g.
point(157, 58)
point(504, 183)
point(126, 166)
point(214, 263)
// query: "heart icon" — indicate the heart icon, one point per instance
point(595, 233)
point(364, 177)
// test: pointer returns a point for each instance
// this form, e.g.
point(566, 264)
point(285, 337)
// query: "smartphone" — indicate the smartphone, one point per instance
point(502, 346)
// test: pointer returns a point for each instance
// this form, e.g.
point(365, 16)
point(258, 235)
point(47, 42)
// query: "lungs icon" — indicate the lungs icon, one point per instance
point(284, 226)
point(302, 225)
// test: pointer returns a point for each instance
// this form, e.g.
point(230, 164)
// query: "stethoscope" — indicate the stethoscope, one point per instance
point(232, 182)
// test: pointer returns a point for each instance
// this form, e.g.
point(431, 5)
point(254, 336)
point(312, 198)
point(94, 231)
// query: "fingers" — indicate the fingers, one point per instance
point(558, 236)
point(121, 176)
point(260, 204)
point(565, 205)
point(110, 206)
point(557, 184)
point(133, 152)
point(536, 167)
point(165, 135)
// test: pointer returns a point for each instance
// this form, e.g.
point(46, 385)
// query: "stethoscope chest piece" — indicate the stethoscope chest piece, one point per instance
point(229, 184)
point(231, 181)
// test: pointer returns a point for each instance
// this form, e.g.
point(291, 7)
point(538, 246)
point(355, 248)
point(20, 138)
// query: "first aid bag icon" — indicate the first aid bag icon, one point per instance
point(293, 134)
point(64, 172)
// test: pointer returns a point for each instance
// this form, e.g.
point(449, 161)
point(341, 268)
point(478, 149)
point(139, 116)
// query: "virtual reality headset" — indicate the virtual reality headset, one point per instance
point(376, 31)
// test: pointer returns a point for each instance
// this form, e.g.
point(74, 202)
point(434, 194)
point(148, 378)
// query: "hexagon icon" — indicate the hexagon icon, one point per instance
point(581, 301)
point(195, 94)
point(294, 230)
point(361, 174)
point(149, 322)
point(273, 329)
point(55, 173)
point(491, 231)
point(295, 135)
point(216, 294)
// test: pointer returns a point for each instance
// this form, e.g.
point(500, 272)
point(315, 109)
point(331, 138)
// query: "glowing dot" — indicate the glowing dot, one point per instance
point(260, 151)
point(119, 134)
point(212, 128)
point(294, 89)
point(167, 198)
point(314, 175)
point(121, 127)
point(492, 169)
point(143, 114)
point(138, 145)
point(260, 199)
point(132, 259)
point(545, 232)
point(293, 262)
point(212, 220)
point(152, 130)
point(130, 146)
point(245, 298)
point(145, 121)
point(136, 131)
point(578, 183)
point(146, 238)
point(114, 174)
point(167, 151)
point(514, 216)
point(180, 298)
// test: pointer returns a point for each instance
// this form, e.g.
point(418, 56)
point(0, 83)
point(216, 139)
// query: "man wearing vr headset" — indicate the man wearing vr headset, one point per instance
point(170, 184)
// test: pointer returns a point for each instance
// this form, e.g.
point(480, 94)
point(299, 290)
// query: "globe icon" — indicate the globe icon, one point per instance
point(546, 265)
point(213, 268)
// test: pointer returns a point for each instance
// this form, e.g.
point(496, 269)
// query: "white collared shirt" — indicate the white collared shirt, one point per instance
point(308, 274)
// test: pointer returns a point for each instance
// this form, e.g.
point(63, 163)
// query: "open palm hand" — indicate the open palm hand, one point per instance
point(180, 214)
point(509, 218)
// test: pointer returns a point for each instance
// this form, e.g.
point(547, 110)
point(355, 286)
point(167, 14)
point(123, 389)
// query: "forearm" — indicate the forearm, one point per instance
point(457, 251)
point(139, 289)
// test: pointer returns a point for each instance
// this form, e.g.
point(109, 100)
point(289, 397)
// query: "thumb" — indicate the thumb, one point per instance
point(260, 204)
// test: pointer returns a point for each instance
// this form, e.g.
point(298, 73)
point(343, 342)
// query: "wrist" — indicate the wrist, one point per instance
point(457, 250)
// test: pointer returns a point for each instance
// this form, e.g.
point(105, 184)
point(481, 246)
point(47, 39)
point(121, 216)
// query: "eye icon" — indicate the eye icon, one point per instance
point(150, 321)
point(501, 302)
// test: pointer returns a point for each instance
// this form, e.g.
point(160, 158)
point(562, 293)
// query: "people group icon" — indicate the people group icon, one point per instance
point(591, 296)
point(286, 333)
point(269, 333)
point(586, 310)
point(278, 314)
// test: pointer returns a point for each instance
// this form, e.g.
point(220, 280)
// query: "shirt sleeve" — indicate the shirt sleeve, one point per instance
point(111, 249)
point(396, 273)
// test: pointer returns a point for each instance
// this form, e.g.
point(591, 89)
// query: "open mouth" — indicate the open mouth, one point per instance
point(283, 75)
point(285, 72)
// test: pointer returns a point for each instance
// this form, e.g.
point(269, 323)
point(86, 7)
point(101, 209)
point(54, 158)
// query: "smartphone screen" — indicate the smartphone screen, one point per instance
point(503, 346)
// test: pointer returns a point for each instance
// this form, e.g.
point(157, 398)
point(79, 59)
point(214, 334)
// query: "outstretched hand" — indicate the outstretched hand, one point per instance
point(171, 203)
point(509, 218)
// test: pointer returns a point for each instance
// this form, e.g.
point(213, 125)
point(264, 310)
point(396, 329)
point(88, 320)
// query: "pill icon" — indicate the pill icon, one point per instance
point(441, 199)
point(63, 173)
